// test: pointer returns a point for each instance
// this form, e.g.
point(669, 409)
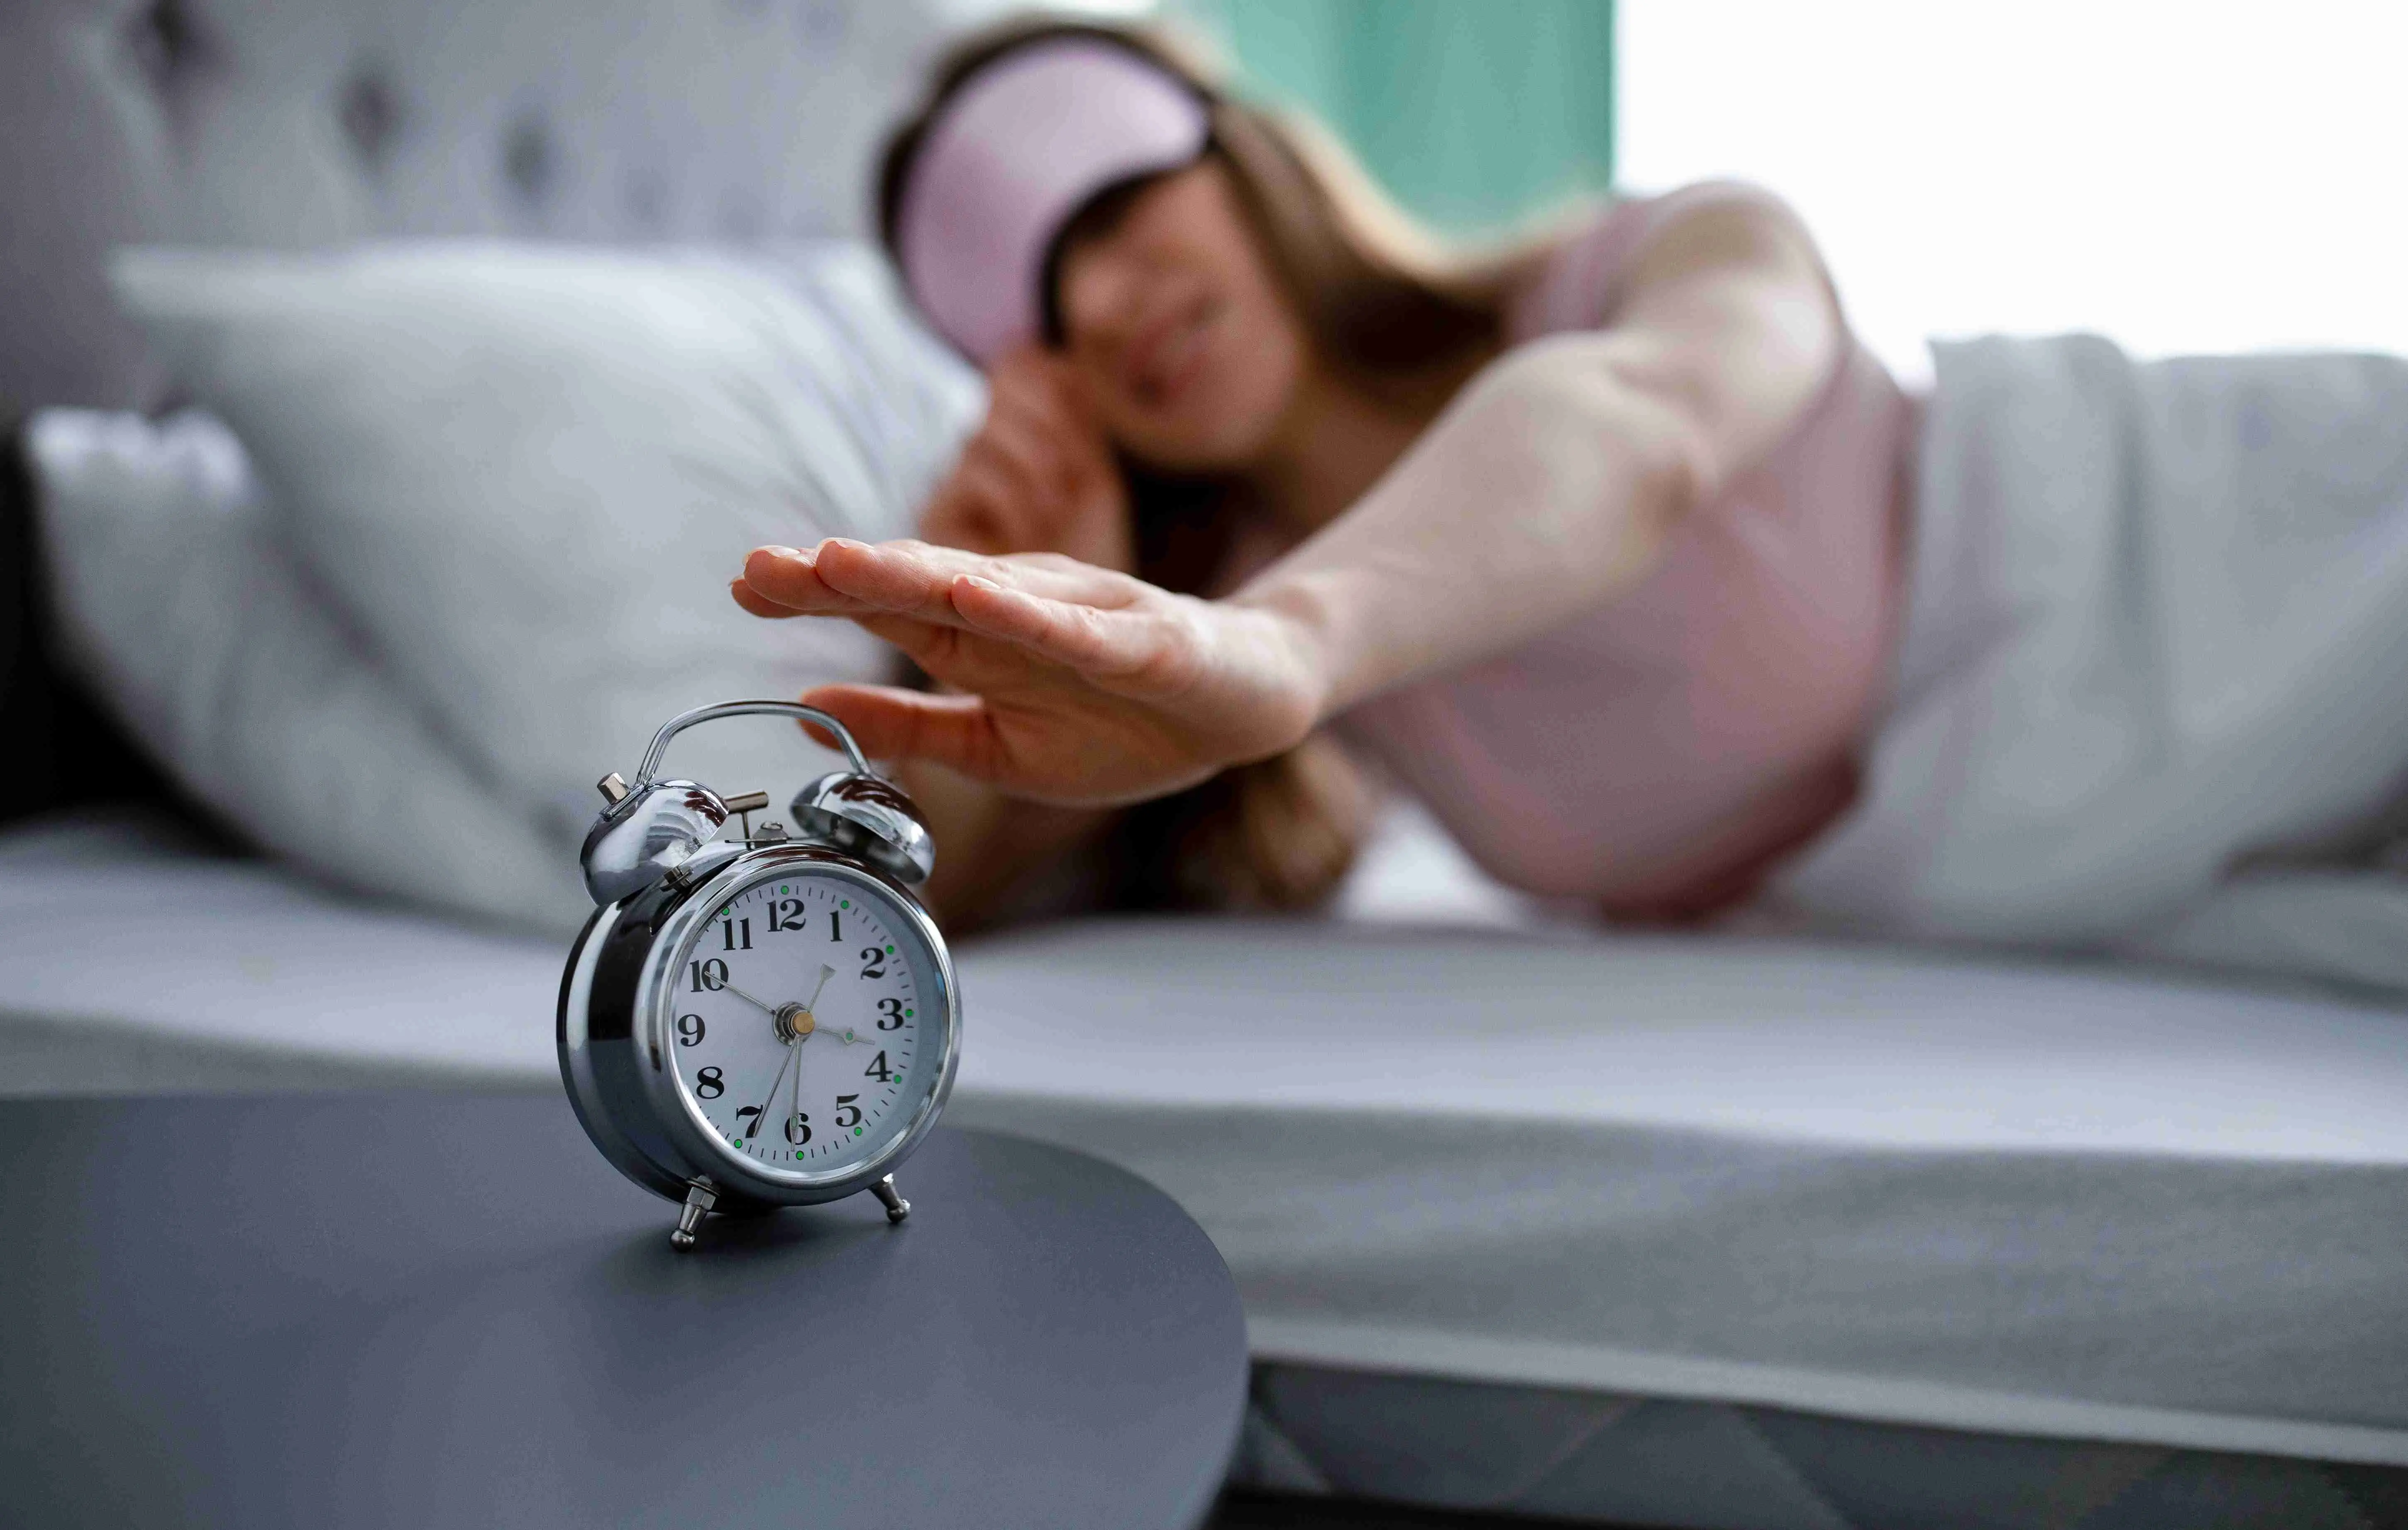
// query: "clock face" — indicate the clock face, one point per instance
point(808, 1021)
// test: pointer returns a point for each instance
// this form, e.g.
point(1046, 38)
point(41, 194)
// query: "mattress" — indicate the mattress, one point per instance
point(1655, 1229)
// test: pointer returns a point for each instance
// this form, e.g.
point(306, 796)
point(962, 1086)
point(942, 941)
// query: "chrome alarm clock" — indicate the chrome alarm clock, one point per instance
point(766, 1018)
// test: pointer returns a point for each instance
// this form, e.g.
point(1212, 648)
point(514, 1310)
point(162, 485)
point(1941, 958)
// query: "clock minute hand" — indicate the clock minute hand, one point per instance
point(825, 973)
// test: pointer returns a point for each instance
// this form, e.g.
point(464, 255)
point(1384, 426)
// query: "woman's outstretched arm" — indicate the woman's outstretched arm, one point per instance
point(1553, 484)
point(1548, 488)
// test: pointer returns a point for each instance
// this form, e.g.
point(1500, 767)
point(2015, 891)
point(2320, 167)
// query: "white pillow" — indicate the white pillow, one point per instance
point(175, 600)
point(526, 474)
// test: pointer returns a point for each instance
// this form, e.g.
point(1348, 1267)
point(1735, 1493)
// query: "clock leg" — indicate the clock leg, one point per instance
point(897, 1207)
point(699, 1199)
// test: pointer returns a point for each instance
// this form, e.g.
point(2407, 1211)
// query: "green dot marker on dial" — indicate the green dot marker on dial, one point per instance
point(844, 903)
point(857, 1131)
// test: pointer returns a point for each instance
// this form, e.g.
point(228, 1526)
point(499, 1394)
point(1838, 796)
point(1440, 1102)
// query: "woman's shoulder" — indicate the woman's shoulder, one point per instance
point(1577, 279)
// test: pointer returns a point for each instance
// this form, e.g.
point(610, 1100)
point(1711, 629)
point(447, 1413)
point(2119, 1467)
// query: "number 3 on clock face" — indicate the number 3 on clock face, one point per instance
point(808, 1026)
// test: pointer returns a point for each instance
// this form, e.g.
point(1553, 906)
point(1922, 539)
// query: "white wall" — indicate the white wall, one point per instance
point(2192, 177)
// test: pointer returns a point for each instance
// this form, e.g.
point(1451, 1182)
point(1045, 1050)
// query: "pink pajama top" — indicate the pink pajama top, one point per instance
point(1659, 756)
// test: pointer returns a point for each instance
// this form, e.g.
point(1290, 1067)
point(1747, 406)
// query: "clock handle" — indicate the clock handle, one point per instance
point(684, 721)
point(858, 812)
point(649, 829)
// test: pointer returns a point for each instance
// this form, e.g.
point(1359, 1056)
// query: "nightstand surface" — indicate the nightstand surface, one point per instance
point(425, 1308)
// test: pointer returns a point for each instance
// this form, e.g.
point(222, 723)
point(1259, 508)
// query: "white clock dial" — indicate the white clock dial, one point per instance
point(799, 1014)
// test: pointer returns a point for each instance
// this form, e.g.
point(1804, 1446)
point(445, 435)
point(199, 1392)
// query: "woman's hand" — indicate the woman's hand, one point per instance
point(1076, 684)
point(1039, 475)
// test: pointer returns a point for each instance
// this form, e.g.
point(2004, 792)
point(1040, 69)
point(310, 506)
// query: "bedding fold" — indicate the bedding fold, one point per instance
point(2155, 628)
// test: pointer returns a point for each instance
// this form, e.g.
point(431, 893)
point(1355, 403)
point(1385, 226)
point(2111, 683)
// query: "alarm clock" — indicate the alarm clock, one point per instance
point(763, 1019)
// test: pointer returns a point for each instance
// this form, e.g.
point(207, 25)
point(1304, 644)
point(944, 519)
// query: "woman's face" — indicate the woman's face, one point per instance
point(1170, 311)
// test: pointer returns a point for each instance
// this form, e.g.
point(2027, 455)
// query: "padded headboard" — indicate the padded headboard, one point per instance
point(285, 122)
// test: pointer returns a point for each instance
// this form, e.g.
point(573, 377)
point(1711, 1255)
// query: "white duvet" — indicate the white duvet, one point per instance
point(2150, 694)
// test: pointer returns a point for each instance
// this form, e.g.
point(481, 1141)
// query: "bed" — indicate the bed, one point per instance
point(1704, 1231)
point(1641, 1230)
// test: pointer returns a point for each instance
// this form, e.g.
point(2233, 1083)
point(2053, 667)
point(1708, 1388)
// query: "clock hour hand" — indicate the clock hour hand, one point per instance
point(763, 1005)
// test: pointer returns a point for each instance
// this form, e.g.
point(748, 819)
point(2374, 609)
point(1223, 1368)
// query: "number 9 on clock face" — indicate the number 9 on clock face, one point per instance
point(807, 1017)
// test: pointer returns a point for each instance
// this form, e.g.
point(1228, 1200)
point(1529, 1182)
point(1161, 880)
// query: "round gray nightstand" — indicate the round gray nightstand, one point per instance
point(421, 1308)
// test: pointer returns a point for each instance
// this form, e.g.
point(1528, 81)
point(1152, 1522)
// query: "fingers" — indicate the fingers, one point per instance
point(840, 578)
point(907, 579)
point(1038, 473)
point(1148, 647)
point(756, 604)
point(788, 578)
point(1024, 454)
point(954, 655)
point(954, 731)
point(938, 650)
point(1029, 374)
point(975, 622)
point(1001, 493)
point(966, 512)
point(844, 578)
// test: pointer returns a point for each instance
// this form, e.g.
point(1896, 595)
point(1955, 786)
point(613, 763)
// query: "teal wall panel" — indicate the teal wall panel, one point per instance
point(1473, 113)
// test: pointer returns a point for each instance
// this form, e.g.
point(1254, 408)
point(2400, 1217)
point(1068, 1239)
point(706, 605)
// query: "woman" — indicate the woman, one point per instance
point(1599, 549)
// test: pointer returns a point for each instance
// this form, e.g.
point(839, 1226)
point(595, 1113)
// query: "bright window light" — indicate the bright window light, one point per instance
point(2182, 177)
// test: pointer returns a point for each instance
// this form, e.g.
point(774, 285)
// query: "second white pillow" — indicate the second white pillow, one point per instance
point(528, 473)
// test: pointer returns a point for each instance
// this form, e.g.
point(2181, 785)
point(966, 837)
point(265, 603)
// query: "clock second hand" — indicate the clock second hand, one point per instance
point(761, 1116)
point(794, 1107)
point(794, 1101)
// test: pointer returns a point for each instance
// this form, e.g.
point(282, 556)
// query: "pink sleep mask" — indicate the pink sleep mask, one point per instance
point(1009, 159)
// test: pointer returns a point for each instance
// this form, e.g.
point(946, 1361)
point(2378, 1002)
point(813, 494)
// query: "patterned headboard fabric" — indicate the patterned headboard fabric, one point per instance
point(300, 122)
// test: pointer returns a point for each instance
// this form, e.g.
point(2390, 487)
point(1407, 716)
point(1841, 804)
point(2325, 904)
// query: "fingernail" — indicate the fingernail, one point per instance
point(847, 543)
point(785, 554)
point(981, 583)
